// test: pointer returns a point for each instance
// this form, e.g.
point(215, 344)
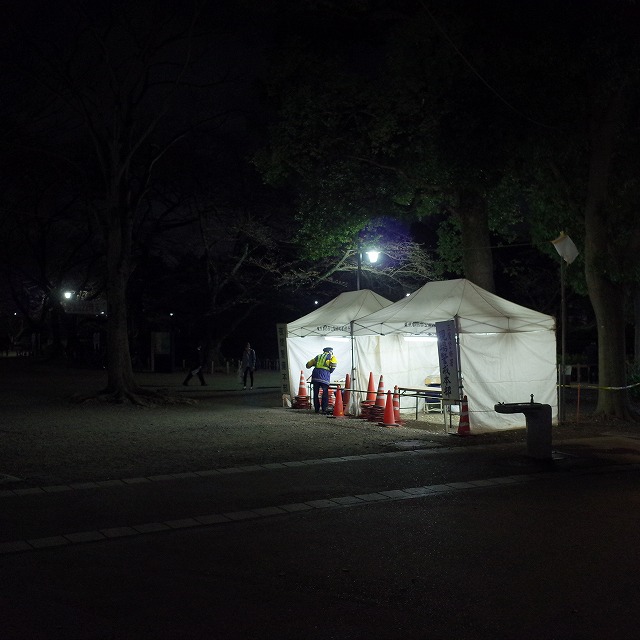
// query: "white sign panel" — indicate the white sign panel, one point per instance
point(448, 356)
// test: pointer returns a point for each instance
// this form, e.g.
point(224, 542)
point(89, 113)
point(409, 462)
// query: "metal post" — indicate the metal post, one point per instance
point(561, 393)
point(359, 252)
point(355, 396)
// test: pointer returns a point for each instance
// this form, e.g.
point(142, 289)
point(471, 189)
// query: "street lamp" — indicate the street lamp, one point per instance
point(568, 252)
point(372, 254)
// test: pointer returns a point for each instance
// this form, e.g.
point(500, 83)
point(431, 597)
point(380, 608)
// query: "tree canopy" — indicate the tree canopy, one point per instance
point(515, 142)
point(460, 138)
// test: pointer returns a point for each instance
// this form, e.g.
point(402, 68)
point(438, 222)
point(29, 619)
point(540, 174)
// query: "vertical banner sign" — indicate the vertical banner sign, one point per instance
point(448, 356)
point(282, 357)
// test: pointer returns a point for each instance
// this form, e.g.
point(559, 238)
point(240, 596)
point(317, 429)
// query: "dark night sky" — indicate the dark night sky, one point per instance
point(241, 38)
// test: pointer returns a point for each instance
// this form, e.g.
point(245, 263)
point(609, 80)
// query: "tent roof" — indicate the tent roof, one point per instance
point(334, 318)
point(475, 309)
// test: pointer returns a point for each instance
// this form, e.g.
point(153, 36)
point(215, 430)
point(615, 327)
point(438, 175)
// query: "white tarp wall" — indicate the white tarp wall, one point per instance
point(507, 352)
point(401, 363)
point(328, 326)
point(301, 350)
point(507, 367)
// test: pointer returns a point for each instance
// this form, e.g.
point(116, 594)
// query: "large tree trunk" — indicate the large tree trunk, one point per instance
point(636, 320)
point(56, 350)
point(607, 297)
point(120, 381)
point(477, 260)
point(608, 303)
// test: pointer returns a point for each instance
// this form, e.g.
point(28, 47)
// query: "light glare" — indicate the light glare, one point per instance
point(373, 255)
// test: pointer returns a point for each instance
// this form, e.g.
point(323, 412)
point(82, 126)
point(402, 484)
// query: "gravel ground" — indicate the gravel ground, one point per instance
point(48, 438)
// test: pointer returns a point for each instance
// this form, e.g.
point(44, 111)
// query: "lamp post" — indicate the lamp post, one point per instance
point(372, 255)
point(568, 253)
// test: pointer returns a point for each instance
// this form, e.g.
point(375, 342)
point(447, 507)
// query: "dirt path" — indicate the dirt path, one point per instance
point(46, 438)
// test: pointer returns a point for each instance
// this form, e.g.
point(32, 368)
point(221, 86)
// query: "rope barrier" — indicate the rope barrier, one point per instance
point(595, 386)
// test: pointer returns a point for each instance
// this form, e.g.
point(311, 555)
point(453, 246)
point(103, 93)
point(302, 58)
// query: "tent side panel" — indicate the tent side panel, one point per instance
point(301, 350)
point(401, 363)
point(507, 367)
point(367, 360)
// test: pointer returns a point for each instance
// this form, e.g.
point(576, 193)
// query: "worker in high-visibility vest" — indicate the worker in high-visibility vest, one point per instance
point(323, 365)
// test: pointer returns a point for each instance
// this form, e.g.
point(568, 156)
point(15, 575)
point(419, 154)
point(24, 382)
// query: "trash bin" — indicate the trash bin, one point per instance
point(538, 421)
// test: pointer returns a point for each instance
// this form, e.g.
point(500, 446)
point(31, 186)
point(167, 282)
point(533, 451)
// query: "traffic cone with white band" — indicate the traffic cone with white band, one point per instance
point(464, 428)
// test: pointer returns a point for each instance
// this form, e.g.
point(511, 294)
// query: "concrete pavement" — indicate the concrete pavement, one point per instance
point(473, 541)
point(478, 542)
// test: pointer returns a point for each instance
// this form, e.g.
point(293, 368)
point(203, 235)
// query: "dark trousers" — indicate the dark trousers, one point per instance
point(198, 372)
point(325, 396)
point(248, 371)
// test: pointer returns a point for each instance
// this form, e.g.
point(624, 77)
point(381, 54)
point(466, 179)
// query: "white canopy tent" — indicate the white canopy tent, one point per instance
point(329, 325)
point(507, 351)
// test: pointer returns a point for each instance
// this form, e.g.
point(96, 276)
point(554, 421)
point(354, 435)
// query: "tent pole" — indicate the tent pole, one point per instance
point(561, 392)
point(353, 401)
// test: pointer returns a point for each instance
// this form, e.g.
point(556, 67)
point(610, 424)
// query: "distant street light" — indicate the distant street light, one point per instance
point(68, 295)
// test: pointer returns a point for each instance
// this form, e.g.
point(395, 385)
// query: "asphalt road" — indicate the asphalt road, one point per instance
point(466, 543)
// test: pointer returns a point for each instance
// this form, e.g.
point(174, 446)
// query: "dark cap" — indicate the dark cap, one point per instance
point(328, 349)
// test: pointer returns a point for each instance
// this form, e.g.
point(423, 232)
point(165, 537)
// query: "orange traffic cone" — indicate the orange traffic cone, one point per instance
point(368, 403)
point(301, 401)
point(464, 428)
point(389, 419)
point(302, 390)
point(338, 408)
point(380, 396)
point(376, 412)
point(347, 391)
point(396, 405)
point(371, 391)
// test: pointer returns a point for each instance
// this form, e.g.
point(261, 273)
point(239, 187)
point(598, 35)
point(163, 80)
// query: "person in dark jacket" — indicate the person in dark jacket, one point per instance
point(323, 366)
point(196, 366)
point(248, 365)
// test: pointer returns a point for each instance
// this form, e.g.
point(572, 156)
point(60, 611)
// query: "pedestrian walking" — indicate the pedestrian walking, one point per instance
point(248, 365)
point(196, 366)
point(323, 366)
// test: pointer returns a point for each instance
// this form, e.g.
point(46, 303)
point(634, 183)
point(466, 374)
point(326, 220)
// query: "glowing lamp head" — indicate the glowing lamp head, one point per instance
point(373, 256)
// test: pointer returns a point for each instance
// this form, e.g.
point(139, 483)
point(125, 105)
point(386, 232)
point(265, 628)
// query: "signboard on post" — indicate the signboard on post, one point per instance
point(448, 356)
point(282, 356)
